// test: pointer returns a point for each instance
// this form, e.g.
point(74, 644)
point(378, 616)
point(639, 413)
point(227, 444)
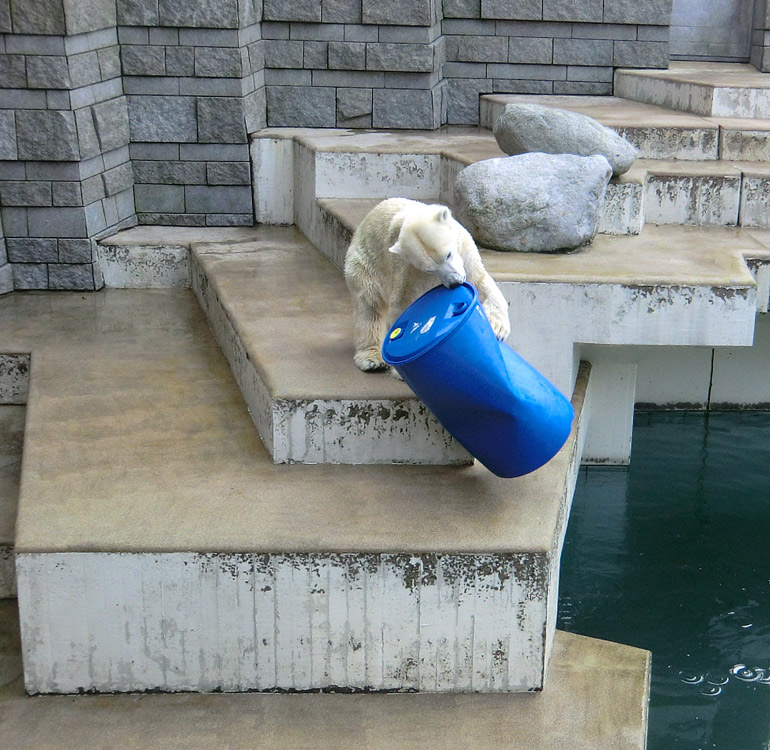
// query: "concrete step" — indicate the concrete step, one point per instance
point(11, 438)
point(693, 170)
point(296, 167)
point(158, 546)
point(711, 89)
point(281, 313)
point(683, 286)
point(596, 699)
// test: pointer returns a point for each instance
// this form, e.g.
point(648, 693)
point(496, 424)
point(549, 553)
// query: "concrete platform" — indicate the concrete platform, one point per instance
point(149, 508)
point(685, 183)
point(596, 700)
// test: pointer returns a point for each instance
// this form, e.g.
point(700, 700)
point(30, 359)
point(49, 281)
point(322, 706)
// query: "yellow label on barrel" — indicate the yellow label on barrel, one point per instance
point(395, 332)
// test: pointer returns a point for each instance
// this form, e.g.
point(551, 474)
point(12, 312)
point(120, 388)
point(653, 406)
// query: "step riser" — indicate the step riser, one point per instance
point(14, 378)
point(740, 102)
point(744, 145)
point(12, 425)
point(692, 201)
point(14, 389)
point(683, 97)
point(231, 622)
point(624, 209)
point(755, 199)
point(145, 267)
point(685, 144)
point(373, 431)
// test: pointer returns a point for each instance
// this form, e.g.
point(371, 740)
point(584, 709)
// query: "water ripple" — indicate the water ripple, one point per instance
point(749, 674)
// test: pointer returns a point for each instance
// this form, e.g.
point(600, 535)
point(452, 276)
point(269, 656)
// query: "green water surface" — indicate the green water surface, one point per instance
point(672, 554)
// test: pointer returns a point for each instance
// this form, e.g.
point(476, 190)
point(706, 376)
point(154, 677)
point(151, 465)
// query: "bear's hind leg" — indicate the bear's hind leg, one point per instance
point(369, 331)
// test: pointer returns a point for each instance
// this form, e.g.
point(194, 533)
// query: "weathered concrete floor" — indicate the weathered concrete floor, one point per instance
point(596, 699)
point(138, 440)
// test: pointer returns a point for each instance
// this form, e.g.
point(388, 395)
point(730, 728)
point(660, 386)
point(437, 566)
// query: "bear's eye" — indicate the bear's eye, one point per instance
point(448, 255)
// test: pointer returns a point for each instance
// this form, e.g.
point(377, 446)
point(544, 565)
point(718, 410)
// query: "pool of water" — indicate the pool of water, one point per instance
point(672, 554)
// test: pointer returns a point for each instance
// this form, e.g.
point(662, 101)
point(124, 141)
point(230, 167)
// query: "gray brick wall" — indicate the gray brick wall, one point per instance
point(66, 178)
point(546, 47)
point(354, 64)
point(194, 93)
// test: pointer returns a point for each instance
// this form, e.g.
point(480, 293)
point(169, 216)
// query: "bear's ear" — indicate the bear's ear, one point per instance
point(444, 215)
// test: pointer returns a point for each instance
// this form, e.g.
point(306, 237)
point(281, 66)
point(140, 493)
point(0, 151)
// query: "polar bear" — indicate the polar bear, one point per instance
point(400, 250)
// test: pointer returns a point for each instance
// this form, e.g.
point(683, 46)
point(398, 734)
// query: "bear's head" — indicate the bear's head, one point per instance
point(429, 240)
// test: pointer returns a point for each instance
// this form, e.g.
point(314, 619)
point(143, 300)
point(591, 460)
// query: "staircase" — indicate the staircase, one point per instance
point(214, 499)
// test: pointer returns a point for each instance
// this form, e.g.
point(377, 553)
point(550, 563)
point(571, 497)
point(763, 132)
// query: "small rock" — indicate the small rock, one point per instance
point(533, 202)
point(524, 128)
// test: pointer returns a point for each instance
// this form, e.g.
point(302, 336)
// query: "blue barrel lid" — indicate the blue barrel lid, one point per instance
point(427, 321)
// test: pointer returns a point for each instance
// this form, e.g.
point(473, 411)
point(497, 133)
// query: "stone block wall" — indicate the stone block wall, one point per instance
point(6, 272)
point(760, 38)
point(66, 177)
point(546, 47)
point(354, 63)
point(193, 76)
point(116, 112)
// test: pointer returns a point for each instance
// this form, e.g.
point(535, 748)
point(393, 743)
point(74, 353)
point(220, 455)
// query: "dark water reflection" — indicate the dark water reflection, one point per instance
point(673, 555)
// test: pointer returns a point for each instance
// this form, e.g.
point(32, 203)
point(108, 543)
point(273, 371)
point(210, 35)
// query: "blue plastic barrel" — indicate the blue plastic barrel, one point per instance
point(494, 403)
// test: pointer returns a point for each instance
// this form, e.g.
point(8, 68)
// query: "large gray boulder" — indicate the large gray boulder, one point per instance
point(533, 202)
point(524, 128)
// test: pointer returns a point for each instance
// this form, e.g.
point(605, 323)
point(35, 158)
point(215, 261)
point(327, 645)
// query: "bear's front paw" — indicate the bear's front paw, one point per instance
point(501, 326)
point(369, 360)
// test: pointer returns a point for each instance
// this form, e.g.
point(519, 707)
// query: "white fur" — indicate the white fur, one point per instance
point(401, 249)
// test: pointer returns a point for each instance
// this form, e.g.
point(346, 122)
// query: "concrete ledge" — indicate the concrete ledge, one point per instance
point(338, 164)
point(596, 697)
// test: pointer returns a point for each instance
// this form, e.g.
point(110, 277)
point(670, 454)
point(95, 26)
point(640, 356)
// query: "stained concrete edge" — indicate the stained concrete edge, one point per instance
point(596, 699)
